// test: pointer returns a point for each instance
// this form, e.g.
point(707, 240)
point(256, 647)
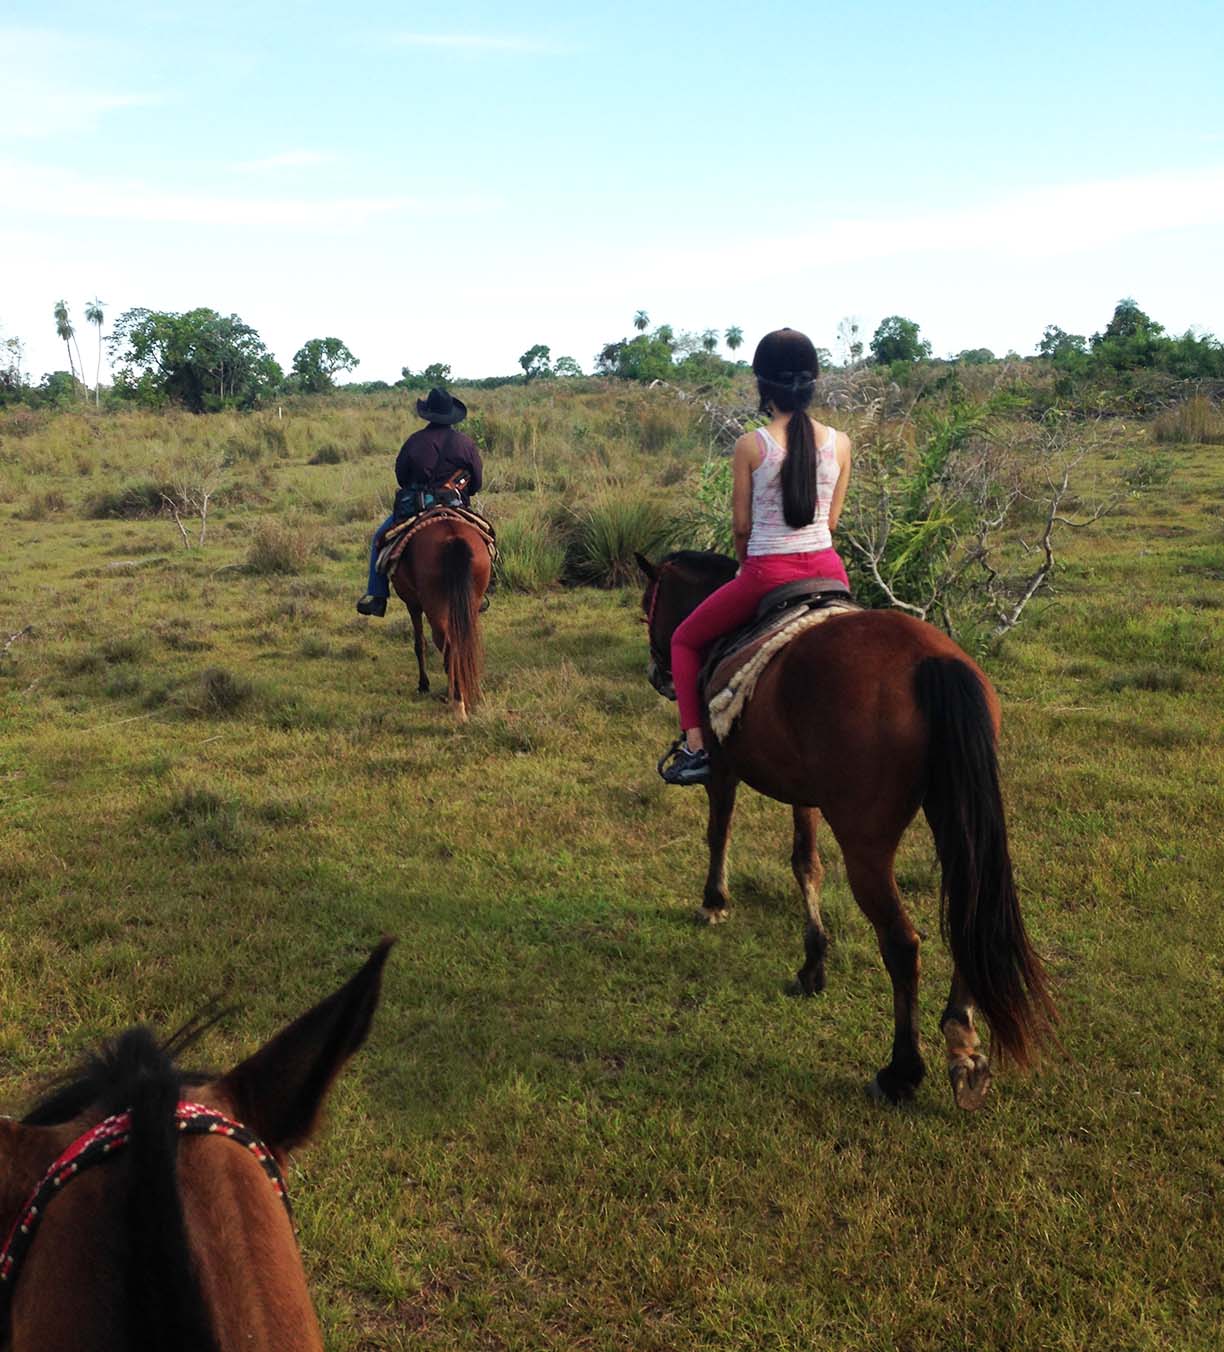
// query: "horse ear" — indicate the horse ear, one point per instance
point(279, 1090)
point(646, 566)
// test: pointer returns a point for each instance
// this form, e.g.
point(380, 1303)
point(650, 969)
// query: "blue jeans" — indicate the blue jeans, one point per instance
point(379, 583)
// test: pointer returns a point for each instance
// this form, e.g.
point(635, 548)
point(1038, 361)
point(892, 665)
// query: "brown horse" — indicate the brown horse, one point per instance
point(144, 1204)
point(443, 574)
point(864, 719)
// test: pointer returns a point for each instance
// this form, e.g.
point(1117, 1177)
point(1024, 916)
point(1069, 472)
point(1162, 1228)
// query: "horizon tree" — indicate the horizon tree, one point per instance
point(709, 339)
point(94, 315)
point(897, 340)
point(734, 337)
point(64, 331)
point(640, 320)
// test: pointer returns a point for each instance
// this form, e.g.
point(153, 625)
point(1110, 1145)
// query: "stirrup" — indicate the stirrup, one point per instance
point(669, 755)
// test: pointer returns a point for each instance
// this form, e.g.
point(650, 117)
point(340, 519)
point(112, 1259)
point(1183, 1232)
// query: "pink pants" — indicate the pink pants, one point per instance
point(734, 604)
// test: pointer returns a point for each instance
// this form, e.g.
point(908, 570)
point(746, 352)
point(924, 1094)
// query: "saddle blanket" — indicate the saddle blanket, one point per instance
point(396, 539)
point(731, 680)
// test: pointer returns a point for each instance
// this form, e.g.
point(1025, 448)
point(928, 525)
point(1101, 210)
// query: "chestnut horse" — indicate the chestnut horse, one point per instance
point(144, 1206)
point(443, 574)
point(864, 719)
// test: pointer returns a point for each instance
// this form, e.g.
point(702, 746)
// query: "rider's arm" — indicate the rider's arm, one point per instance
point(843, 479)
point(744, 463)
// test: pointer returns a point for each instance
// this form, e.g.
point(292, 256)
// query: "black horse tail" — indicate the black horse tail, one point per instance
point(463, 647)
point(979, 911)
point(165, 1305)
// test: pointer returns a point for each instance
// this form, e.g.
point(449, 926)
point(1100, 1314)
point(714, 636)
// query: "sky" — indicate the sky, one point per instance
point(456, 182)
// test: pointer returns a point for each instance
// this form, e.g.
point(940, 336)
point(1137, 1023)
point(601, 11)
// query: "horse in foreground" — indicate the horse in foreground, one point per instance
point(442, 576)
point(864, 719)
point(144, 1205)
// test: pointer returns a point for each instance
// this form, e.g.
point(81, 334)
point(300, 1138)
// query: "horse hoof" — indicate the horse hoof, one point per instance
point(809, 983)
point(970, 1083)
point(887, 1087)
point(423, 688)
point(710, 915)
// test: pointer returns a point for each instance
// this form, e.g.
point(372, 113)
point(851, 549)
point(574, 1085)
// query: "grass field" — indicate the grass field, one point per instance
point(581, 1121)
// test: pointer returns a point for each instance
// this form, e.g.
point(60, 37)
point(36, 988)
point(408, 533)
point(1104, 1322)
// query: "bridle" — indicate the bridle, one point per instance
point(658, 673)
point(98, 1144)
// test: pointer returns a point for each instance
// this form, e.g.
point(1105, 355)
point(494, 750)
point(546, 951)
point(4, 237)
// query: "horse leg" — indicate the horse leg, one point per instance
point(720, 790)
point(875, 889)
point(968, 1065)
point(809, 873)
point(418, 644)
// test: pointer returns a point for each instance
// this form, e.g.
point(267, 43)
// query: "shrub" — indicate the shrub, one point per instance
point(609, 531)
point(279, 548)
point(138, 498)
point(39, 506)
point(328, 454)
point(1195, 422)
point(530, 553)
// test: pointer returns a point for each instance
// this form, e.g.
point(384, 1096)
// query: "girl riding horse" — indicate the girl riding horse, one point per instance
point(790, 480)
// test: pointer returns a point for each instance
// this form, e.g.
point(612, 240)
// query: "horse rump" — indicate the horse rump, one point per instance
point(979, 909)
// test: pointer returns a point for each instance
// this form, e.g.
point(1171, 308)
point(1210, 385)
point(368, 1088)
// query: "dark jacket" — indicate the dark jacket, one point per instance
point(429, 457)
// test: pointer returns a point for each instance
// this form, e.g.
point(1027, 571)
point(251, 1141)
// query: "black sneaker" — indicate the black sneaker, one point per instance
point(687, 767)
point(372, 605)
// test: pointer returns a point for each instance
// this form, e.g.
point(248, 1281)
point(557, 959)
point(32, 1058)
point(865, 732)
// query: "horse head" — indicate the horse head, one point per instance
point(181, 1236)
point(675, 587)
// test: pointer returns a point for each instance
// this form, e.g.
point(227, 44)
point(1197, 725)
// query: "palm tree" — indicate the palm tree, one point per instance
point(63, 330)
point(93, 313)
point(640, 320)
point(709, 339)
point(734, 337)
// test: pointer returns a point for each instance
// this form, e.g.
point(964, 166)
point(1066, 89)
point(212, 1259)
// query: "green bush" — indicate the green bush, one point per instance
point(219, 694)
point(609, 531)
point(530, 553)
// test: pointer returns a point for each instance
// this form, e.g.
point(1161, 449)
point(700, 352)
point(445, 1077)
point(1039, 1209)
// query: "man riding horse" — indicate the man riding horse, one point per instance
point(437, 464)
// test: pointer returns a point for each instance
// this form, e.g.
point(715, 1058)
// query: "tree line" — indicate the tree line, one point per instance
point(204, 361)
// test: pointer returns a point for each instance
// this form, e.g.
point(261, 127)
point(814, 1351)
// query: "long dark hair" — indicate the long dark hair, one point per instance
point(786, 366)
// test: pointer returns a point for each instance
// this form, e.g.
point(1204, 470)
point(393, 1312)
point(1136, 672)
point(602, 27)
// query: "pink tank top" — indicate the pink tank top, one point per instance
point(770, 533)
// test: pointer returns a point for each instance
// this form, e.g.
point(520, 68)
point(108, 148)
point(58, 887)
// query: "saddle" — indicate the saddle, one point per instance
point(395, 541)
point(735, 662)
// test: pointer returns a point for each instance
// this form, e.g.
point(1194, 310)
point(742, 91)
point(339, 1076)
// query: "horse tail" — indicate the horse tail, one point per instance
point(463, 648)
point(166, 1307)
point(979, 911)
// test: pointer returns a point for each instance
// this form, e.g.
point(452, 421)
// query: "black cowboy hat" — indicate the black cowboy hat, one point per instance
point(442, 407)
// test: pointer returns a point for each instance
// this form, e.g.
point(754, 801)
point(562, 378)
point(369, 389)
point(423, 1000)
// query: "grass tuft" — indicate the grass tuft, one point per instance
point(1195, 422)
point(279, 549)
point(609, 531)
point(530, 557)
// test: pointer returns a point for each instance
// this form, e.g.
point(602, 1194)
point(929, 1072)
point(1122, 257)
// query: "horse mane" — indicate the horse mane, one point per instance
point(703, 561)
point(137, 1073)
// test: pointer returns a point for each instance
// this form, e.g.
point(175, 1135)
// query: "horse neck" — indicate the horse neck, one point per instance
point(246, 1255)
point(240, 1245)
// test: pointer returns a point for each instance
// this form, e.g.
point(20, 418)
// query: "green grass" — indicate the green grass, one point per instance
point(582, 1122)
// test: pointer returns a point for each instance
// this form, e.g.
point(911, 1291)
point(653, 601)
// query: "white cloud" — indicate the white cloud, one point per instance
point(288, 159)
point(476, 42)
point(49, 88)
point(67, 196)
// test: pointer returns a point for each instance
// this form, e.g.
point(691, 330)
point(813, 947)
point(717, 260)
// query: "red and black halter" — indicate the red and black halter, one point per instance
point(99, 1143)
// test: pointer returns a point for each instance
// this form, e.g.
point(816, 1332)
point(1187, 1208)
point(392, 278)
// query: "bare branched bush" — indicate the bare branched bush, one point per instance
point(951, 522)
point(193, 477)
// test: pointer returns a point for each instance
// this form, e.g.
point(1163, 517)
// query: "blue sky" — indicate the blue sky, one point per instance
point(455, 182)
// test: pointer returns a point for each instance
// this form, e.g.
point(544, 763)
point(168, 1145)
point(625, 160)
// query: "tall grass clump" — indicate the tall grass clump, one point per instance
point(530, 553)
point(279, 548)
point(1195, 422)
point(708, 520)
point(607, 532)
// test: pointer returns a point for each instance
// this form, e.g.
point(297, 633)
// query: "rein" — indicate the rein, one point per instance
point(98, 1144)
point(662, 663)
